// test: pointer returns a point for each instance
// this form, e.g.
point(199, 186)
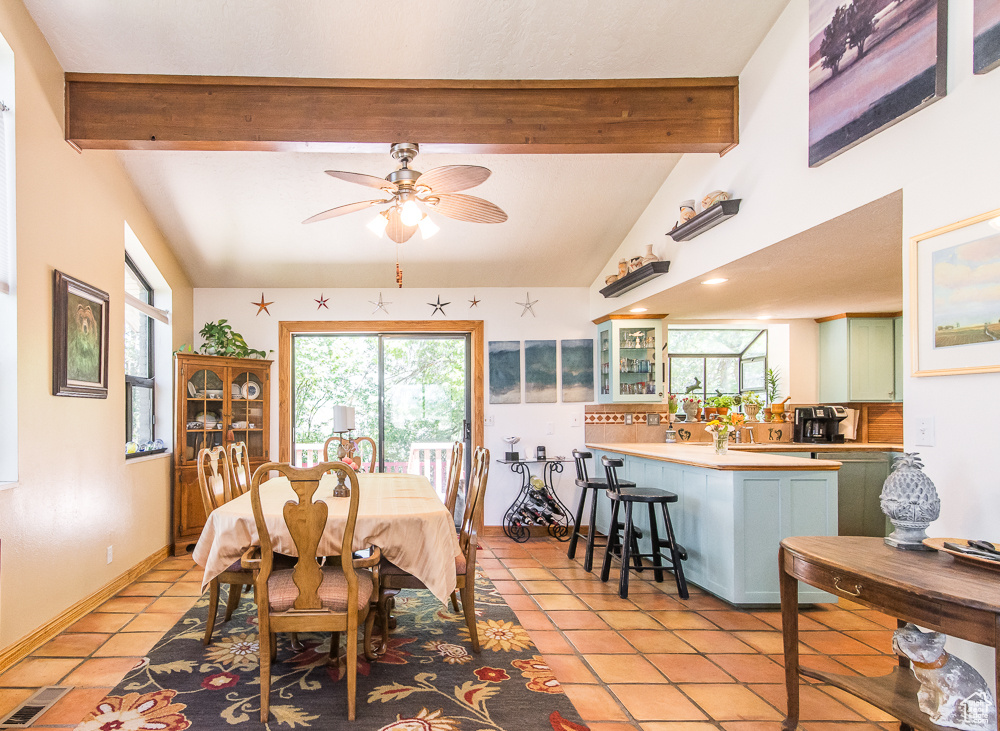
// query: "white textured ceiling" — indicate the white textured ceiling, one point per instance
point(234, 218)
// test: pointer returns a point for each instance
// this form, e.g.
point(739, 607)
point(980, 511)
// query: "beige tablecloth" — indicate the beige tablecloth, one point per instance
point(401, 514)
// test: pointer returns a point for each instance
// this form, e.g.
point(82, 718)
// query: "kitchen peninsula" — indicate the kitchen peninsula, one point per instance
point(733, 510)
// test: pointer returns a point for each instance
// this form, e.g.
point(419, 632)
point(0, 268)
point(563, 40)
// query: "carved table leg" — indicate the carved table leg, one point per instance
point(790, 635)
point(904, 662)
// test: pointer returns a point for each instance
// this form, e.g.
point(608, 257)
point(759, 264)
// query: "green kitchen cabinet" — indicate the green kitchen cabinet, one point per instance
point(860, 481)
point(858, 360)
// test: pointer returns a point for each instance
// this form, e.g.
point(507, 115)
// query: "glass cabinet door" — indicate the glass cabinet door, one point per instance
point(247, 409)
point(604, 335)
point(204, 410)
point(637, 361)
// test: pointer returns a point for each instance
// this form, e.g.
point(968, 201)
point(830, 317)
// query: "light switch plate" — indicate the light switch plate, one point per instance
point(925, 431)
point(628, 418)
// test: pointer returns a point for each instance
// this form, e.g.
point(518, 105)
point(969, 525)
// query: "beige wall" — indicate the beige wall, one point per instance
point(75, 494)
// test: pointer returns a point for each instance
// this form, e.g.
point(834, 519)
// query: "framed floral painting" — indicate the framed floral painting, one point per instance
point(955, 298)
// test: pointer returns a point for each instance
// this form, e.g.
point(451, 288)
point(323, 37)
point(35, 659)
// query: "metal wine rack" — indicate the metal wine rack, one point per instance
point(541, 507)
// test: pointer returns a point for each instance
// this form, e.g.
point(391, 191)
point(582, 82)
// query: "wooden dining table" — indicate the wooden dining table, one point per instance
point(401, 514)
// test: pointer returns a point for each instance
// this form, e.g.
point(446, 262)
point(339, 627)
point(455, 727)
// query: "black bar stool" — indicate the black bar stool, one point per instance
point(651, 496)
point(590, 486)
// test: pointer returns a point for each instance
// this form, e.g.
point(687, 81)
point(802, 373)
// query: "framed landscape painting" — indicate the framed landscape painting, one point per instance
point(79, 338)
point(871, 64)
point(577, 370)
point(955, 298)
point(540, 371)
point(505, 371)
point(986, 35)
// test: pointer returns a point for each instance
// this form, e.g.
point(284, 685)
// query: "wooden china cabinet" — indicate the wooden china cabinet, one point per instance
point(218, 400)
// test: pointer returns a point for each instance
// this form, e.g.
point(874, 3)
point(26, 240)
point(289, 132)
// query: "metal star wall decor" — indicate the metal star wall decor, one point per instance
point(262, 305)
point(321, 302)
point(527, 305)
point(439, 306)
point(474, 302)
point(380, 305)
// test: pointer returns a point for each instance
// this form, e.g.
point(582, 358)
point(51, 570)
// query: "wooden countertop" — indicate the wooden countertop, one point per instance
point(796, 447)
point(702, 454)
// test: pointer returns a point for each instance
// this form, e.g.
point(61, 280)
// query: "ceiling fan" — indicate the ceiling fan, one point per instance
point(413, 194)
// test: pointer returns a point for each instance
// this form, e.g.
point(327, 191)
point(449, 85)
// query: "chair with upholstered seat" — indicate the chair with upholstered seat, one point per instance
point(630, 496)
point(334, 597)
point(239, 464)
point(215, 481)
point(353, 448)
point(393, 578)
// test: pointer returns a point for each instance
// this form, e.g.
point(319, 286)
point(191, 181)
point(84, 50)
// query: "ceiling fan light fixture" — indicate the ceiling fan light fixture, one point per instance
point(378, 225)
point(410, 214)
point(427, 227)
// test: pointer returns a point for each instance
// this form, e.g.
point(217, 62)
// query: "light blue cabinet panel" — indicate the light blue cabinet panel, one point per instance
point(898, 360)
point(731, 522)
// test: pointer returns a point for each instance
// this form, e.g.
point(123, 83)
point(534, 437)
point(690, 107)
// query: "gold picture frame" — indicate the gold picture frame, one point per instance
point(950, 332)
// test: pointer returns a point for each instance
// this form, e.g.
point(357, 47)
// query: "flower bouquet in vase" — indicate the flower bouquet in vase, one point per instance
point(721, 426)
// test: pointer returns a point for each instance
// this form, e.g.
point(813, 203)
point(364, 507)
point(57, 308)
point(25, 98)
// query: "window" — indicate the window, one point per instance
point(709, 362)
point(140, 419)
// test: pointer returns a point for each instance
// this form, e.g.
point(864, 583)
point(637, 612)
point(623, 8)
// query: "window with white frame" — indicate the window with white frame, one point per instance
point(140, 417)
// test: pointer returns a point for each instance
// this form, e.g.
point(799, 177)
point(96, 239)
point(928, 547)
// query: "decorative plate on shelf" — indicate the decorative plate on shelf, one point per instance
point(191, 389)
point(938, 545)
point(251, 390)
point(237, 391)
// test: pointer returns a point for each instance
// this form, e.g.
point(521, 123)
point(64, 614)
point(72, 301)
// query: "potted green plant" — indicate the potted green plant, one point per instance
point(710, 407)
point(772, 378)
point(221, 339)
point(723, 404)
point(691, 407)
point(751, 405)
point(672, 403)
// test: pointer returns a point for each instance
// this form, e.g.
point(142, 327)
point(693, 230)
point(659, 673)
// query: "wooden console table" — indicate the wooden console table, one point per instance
point(930, 589)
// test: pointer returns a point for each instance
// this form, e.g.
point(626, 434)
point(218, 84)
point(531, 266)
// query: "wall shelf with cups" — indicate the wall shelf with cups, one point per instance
point(707, 219)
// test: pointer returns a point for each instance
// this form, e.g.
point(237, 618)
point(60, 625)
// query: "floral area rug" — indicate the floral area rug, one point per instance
point(428, 680)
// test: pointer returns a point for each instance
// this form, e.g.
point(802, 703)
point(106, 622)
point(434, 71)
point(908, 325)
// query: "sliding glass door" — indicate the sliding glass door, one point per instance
point(411, 394)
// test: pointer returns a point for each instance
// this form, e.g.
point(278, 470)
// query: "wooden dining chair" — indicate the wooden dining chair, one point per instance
point(239, 464)
point(393, 579)
point(451, 494)
point(353, 449)
point(334, 597)
point(215, 481)
point(454, 473)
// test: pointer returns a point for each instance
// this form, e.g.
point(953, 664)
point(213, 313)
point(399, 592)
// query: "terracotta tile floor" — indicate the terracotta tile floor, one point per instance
point(652, 662)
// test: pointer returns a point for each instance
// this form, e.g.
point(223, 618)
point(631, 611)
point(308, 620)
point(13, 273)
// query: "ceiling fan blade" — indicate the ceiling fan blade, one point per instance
point(466, 208)
point(341, 210)
point(361, 179)
point(397, 230)
point(452, 178)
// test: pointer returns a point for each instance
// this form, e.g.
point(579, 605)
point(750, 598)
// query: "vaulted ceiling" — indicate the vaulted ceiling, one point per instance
point(234, 217)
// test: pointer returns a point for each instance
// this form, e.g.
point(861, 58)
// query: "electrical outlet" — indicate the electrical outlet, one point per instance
point(925, 432)
point(491, 420)
point(111, 553)
point(550, 428)
point(574, 420)
point(628, 419)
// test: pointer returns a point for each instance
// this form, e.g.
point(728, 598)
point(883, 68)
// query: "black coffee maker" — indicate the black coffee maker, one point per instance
point(818, 424)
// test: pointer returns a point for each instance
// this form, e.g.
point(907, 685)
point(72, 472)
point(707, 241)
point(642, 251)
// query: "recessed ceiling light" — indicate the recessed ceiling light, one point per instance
point(763, 317)
point(995, 222)
point(717, 280)
point(639, 309)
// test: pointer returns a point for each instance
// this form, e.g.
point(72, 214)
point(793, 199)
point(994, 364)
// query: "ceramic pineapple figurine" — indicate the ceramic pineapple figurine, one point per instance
point(910, 501)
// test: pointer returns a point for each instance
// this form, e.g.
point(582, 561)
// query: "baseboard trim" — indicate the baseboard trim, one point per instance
point(28, 644)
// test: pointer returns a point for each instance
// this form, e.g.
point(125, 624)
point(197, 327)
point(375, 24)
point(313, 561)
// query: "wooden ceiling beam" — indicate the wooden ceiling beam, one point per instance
point(130, 112)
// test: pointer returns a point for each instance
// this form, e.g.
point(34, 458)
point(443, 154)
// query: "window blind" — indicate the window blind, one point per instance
point(148, 310)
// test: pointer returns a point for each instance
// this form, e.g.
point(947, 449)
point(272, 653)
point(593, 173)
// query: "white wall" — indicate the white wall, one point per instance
point(560, 315)
point(944, 158)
